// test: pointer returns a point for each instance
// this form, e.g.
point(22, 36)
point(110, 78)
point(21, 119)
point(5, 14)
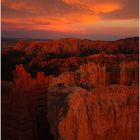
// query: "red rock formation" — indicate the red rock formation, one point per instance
point(111, 113)
point(39, 56)
point(77, 96)
point(129, 72)
point(70, 112)
point(92, 75)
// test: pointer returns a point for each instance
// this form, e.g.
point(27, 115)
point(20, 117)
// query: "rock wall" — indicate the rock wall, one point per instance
point(82, 105)
point(106, 114)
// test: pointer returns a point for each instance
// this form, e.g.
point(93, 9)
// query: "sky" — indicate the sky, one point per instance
point(86, 19)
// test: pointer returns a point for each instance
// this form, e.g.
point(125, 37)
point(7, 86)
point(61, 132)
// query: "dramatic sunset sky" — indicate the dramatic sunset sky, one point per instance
point(91, 19)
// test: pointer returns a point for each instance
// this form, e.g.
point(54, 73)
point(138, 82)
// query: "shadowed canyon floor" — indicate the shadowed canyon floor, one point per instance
point(70, 89)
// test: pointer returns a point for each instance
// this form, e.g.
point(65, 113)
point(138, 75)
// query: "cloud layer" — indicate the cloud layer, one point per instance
point(70, 16)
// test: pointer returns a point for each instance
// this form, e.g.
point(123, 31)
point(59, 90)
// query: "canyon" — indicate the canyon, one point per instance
point(71, 89)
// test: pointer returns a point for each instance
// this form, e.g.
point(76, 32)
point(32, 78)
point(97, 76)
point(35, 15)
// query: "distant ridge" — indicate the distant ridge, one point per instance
point(23, 39)
point(72, 38)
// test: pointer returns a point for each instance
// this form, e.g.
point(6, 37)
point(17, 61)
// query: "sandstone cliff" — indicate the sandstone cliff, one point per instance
point(73, 106)
point(86, 91)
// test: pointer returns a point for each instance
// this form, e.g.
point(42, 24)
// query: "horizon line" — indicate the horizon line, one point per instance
point(43, 39)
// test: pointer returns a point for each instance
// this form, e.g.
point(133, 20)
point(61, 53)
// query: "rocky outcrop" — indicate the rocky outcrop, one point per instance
point(73, 90)
point(106, 114)
point(92, 75)
point(24, 109)
point(76, 105)
point(54, 57)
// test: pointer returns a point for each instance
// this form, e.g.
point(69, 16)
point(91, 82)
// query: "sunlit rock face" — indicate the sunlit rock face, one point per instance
point(80, 97)
point(100, 114)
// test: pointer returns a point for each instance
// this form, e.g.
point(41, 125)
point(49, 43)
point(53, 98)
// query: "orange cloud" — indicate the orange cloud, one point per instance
point(107, 8)
point(66, 23)
point(69, 16)
point(96, 6)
